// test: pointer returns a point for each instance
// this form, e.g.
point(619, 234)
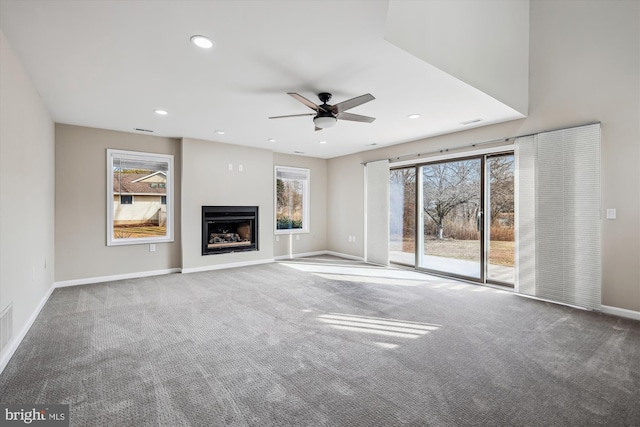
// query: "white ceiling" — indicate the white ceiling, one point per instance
point(109, 64)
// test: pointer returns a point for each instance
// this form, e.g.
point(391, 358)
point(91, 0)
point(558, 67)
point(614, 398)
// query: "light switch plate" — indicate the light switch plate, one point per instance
point(611, 214)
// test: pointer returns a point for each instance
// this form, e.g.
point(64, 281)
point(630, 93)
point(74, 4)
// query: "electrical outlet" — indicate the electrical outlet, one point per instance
point(297, 237)
point(152, 247)
point(230, 166)
point(277, 238)
point(240, 168)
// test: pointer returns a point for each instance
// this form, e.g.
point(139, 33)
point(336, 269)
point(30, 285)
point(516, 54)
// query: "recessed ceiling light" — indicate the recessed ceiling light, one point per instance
point(220, 132)
point(414, 116)
point(202, 41)
point(323, 142)
point(271, 140)
point(160, 112)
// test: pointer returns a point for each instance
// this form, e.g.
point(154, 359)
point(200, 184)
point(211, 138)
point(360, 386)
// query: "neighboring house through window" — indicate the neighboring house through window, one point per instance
point(292, 200)
point(145, 178)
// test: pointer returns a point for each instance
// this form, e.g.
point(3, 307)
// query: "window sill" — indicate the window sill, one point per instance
point(139, 241)
point(290, 231)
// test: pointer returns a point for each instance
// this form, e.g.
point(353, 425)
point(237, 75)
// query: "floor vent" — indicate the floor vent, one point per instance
point(6, 326)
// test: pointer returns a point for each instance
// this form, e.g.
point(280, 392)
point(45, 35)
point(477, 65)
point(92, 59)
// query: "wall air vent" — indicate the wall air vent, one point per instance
point(142, 130)
point(6, 326)
point(468, 122)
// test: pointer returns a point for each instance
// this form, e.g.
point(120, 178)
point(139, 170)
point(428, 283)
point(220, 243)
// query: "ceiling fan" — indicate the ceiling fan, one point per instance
point(327, 115)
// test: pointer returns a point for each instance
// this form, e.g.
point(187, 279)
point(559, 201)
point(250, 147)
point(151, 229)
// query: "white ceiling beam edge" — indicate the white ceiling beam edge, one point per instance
point(483, 43)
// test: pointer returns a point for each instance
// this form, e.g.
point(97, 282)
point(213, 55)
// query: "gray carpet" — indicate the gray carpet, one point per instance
point(323, 342)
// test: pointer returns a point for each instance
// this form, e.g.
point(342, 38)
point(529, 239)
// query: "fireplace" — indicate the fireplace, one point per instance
point(228, 229)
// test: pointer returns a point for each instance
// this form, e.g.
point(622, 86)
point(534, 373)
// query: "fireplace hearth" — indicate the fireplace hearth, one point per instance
point(228, 229)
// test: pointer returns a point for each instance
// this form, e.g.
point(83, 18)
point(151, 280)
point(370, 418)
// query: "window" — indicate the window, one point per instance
point(147, 178)
point(292, 200)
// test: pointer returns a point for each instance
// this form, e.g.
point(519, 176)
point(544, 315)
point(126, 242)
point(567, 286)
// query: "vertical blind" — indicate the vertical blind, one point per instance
point(525, 215)
point(377, 212)
point(558, 191)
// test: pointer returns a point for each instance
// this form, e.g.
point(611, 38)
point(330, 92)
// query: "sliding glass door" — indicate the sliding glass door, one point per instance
point(402, 216)
point(500, 219)
point(455, 217)
point(451, 217)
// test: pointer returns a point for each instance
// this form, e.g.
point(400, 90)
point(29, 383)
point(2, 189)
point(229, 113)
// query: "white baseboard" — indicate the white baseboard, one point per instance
point(13, 345)
point(318, 253)
point(113, 278)
point(228, 265)
point(341, 255)
point(300, 255)
point(622, 312)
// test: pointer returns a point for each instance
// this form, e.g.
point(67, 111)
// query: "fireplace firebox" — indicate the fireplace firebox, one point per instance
point(228, 229)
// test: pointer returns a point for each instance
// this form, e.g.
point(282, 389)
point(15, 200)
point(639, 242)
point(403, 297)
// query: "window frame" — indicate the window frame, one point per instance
point(306, 198)
point(113, 154)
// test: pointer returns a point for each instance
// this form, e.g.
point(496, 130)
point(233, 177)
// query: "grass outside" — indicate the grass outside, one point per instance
point(138, 231)
point(500, 252)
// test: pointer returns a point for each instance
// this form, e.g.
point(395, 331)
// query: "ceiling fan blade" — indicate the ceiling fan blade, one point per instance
point(351, 103)
point(292, 115)
point(355, 117)
point(304, 100)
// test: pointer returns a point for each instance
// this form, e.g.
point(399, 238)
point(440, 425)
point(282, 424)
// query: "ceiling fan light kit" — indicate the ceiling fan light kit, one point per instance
point(327, 115)
point(324, 122)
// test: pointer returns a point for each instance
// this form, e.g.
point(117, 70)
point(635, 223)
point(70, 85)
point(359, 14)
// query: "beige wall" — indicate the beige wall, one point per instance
point(316, 239)
point(81, 205)
point(345, 203)
point(26, 192)
point(584, 66)
point(207, 181)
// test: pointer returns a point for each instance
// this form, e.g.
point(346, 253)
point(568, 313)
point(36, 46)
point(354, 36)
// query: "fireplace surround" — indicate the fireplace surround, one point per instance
point(227, 229)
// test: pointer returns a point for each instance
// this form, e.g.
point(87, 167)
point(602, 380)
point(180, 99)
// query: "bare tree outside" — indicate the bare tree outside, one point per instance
point(501, 174)
point(289, 196)
point(451, 190)
point(502, 214)
point(402, 215)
